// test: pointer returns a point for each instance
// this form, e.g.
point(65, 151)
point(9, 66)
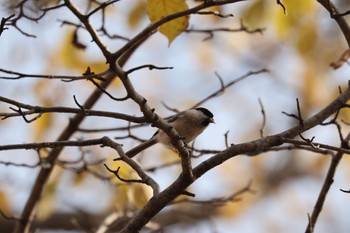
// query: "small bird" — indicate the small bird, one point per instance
point(189, 124)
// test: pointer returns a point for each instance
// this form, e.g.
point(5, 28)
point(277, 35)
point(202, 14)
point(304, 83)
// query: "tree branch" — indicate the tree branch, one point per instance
point(341, 21)
point(328, 181)
point(64, 78)
point(181, 183)
point(41, 110)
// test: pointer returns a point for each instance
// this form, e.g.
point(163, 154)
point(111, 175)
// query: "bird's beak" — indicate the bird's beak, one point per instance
point(211, 120)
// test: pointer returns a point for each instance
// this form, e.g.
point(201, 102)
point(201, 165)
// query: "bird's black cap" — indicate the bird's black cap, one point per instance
point(206, 112)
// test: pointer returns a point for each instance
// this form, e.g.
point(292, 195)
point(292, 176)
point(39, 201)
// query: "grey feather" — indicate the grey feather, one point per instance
point(143, 146)
point(188, 124)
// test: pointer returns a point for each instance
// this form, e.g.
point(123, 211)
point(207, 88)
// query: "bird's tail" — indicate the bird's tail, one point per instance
point(143, 146)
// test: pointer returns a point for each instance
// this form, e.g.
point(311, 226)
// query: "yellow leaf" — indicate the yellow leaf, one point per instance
point(5, 204)
point(124, 171)
point(255, 15)
point(138, 195)
point(300, 14)
point(158, 9)
point(341, 60)
point(44, 3)
point(80, 177)
point(136, 14)
point(47, 204)
point(128, 195)
point(70, 57)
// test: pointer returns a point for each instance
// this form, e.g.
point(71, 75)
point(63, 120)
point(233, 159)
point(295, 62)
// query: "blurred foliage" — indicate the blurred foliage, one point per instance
point(5, 203)
point(48, 202)
point(73, 58)
point(137, 14)
point(301, 29)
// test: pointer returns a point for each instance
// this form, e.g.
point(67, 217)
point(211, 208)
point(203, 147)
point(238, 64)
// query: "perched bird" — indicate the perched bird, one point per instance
point(189, 124)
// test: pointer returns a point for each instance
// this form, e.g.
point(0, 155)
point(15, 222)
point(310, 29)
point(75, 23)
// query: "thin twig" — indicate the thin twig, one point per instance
point(211, 31)
point(264, 118)
point(116, 173)
point(222, 88)
point(134, 165)
point(215, 13)
point(10, 218)
point(53, 144)
point(314, 145)
point(42, 110)
point(107, 93)
point(328, 181)
point(65, 78)
point(279, 2)
point(3, 23)
point(236, 196)
point(150, 67)
point(297, 117)
point(226, 139)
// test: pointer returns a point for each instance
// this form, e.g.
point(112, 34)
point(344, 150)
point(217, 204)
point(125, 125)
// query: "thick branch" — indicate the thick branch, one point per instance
point(341, 21)
point(24, 224)
point(160, 201)
point(324, 191)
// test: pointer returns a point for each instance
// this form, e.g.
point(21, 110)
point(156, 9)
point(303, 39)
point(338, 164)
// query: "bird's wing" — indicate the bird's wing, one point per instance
point(175, 117)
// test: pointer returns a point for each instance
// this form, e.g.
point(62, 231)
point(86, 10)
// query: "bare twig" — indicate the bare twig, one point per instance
point(211, 31)
point(226, 139)
point(65, 78)
point(264, 118)
point(11, 218)
point(222, 88)
point(3, 23)
point(150, 67)
point(165, 165)
point(22, 114)
point(342, 14)
point(279, 2)
point(54, 144)
point(345, 191)
point(122, 128)
point(328, 181)
point(316, 146)
point(215, 13)
point(35, 165)
point(102, 6)
point(236, 196)
point(297, 117)
point(116, 173)
point(81, 110)
point(107, 93)
point(305, 148)
point(341, 21)
point(140, 172)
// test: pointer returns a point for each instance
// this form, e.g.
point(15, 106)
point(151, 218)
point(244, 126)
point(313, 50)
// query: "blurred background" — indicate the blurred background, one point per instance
point(297, 49)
